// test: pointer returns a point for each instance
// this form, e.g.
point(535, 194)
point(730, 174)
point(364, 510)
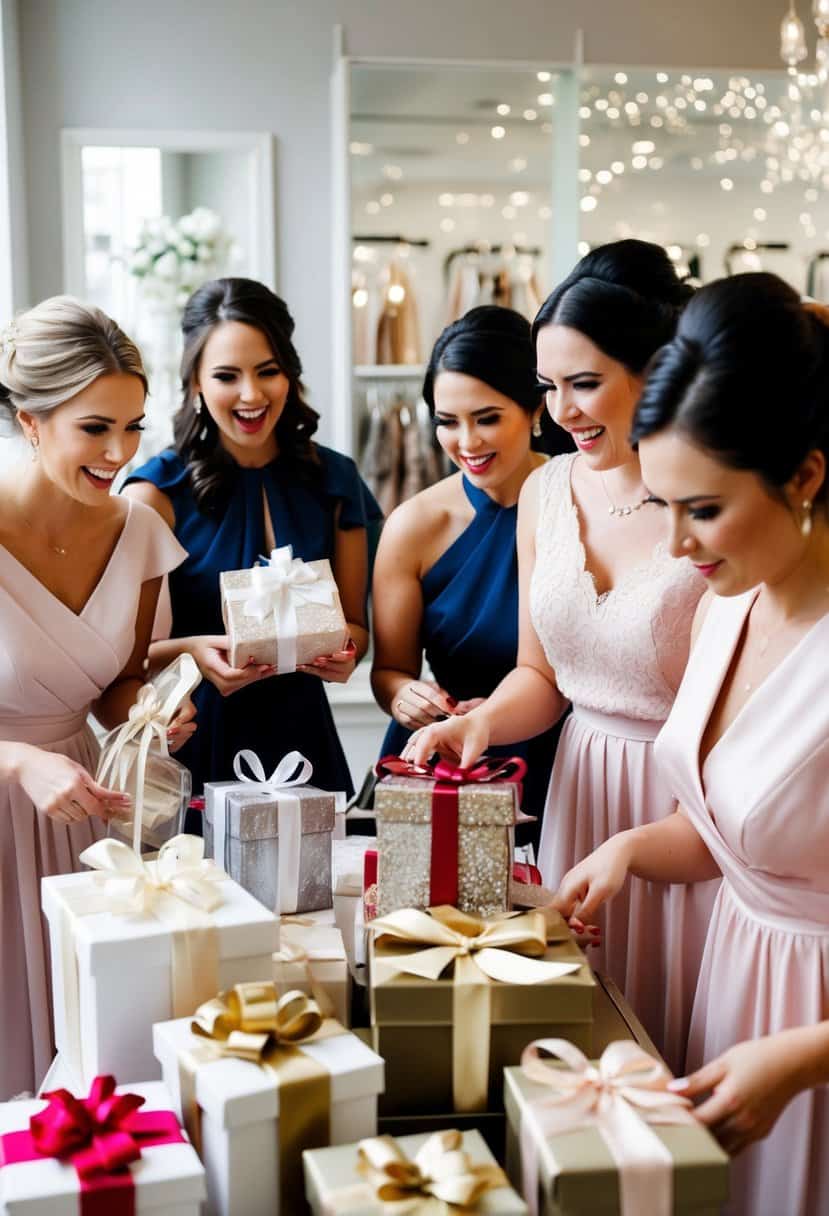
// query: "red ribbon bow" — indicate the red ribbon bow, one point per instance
point(448, 777)
point(100, 1135)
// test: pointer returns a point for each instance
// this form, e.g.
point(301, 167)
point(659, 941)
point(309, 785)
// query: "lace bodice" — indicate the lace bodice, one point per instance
point(622, 652)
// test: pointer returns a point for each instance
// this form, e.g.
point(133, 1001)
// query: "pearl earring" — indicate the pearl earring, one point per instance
point(537, 428)
point(35, 444)
point(806, 521)
point(198, 403)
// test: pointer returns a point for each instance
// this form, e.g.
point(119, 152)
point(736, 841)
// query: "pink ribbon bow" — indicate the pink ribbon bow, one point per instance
point(488, 768)
point(100, 1135)
point(619, 1096)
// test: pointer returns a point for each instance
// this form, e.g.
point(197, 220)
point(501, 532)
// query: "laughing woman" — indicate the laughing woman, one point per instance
point(446, 578)
point(244, 477)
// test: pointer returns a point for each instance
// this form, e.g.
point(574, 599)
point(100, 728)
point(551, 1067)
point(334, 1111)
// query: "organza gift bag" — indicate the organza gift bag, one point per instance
point(135, 759)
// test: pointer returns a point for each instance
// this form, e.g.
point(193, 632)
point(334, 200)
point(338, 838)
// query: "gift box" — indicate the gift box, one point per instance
point(607, 1138)
point(441, 1169)
point(445, 834)
point(347, 866)
point(117, 1155)
point(454, 999)
point(137, 942)
point(284, 612)
point(273, 834)
point(370, 868)
point(309, 1083)
point(311, 958)
point(134, 759)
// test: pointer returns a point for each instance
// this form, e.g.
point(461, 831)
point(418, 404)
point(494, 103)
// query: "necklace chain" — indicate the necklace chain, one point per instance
point(612, 509)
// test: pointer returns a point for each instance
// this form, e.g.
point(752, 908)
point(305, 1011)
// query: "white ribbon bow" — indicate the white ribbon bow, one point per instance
point(132, 886)
point(620, 1096)
point(292, 770)
point(278, 587)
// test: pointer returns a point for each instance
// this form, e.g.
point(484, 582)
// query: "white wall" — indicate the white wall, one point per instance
point(265, 64)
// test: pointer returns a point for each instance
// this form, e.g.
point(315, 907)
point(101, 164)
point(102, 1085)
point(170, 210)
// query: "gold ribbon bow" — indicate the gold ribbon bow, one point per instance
point(505, 949)
point(253, 1022)
point(620, 1096)
point(441, 1178)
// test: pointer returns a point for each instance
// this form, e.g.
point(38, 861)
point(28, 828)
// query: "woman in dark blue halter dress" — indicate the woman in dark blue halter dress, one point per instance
point(446, 577)
point(243, 478)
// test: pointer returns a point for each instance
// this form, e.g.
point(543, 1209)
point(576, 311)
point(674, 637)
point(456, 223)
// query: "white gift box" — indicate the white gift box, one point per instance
point(122, 973)
point(239, 1105)
point(169, 1178)
point(347, 857)
point(322, 944)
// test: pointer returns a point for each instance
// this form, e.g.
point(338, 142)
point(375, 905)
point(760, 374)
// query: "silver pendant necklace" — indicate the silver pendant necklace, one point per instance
point(612, 509)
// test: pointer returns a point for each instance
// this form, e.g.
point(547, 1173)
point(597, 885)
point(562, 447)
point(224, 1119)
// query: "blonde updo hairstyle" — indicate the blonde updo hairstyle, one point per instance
point(56, 350)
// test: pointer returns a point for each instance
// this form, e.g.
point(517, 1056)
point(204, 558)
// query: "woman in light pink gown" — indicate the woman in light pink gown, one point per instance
point(746, 747)
point(605, 623)
point(80, 573)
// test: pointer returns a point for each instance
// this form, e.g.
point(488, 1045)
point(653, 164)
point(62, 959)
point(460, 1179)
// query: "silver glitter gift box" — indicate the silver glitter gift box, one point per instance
point(274, 843)
point(285, 611)
point(455, 848)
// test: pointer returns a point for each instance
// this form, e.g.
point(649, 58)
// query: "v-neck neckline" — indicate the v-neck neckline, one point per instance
point(81, 614)
point(756, 692)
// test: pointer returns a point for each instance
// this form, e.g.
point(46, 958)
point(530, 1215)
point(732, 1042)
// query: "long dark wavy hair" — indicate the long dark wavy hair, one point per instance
point(197, 439)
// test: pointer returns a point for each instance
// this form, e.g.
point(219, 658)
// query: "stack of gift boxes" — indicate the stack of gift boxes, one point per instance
point(201, 1013)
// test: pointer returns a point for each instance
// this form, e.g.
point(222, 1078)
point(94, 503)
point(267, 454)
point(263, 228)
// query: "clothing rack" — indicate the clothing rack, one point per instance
point(752, 247)
point(484, 250)
point(390, 240)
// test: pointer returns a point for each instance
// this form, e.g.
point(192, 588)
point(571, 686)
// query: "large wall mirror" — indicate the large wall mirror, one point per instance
point(150, 215)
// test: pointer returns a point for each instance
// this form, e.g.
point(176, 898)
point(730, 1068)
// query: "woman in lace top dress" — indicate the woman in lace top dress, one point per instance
point(746, 747)
point(605, 622)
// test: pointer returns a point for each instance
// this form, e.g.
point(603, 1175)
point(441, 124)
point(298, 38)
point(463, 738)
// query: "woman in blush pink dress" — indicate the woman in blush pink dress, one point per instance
point(746, 747)
point(80, 572)
point(605, 623)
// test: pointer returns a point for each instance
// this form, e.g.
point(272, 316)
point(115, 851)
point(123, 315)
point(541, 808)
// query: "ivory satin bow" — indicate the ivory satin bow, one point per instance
point(619, 1096)
point(506, 949)
point(277, 588)
point(292, 771)
point(440, 1179)
point(147, 723)
point(252, 1022)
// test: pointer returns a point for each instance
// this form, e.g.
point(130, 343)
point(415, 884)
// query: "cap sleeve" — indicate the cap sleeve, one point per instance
point(153, 548)
point(344, 485)
point(166, 470)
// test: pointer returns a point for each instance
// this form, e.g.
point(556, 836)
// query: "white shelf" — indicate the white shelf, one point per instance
point(389, 371)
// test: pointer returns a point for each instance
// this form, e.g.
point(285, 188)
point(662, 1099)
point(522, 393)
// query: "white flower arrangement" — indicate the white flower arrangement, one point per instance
point(171, 259)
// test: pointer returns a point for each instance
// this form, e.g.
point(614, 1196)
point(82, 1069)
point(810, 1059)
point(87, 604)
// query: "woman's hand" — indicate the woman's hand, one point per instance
point(336, 668)
point(182, 725)
point(63, 789)
point(420, 703)
point(210, 653)
point(595, 880)
point(750, 1085)
point(462, 739)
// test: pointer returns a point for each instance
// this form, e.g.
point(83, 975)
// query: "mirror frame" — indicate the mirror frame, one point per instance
point(262, 218)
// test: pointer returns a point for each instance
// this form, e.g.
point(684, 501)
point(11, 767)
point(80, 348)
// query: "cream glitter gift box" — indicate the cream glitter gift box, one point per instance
point(311, 958)
point(255, 1081)
point(285, 612)
point(136, 942)
point(273, 834)
point(445, 834)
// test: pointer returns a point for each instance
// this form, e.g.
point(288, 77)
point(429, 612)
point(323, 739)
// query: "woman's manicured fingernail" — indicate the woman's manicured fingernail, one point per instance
point(452, 701)
point(678, 1084)
point(595, 930)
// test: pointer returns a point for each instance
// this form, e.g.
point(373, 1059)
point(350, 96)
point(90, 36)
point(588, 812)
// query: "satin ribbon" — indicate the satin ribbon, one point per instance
point(291, 957)
point(100, 1135)
point(506, 949)
point(439, 1181)
point(277, 588)
point(619, 1096)
point(448, 779)
point(292, 770)
point(147, 722)
point(179, 887)
point(253, 1022)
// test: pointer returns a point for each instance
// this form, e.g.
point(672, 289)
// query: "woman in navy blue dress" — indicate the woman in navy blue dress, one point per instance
point(244, 477)
point(446, 575)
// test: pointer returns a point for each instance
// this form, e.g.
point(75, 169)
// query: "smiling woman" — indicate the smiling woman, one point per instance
point(246, 476)
point(80, 573)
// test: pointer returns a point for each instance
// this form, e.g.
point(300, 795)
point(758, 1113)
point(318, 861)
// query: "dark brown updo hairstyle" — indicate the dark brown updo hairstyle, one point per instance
point(197, 438)
point(746, 379)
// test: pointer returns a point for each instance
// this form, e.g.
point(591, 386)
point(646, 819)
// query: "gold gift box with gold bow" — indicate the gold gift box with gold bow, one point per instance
point(456, 998)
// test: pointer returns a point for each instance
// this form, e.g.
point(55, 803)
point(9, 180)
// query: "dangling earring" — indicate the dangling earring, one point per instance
point(198, 403)
point(806, 521)
point(35, 444)
point(537, 428)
